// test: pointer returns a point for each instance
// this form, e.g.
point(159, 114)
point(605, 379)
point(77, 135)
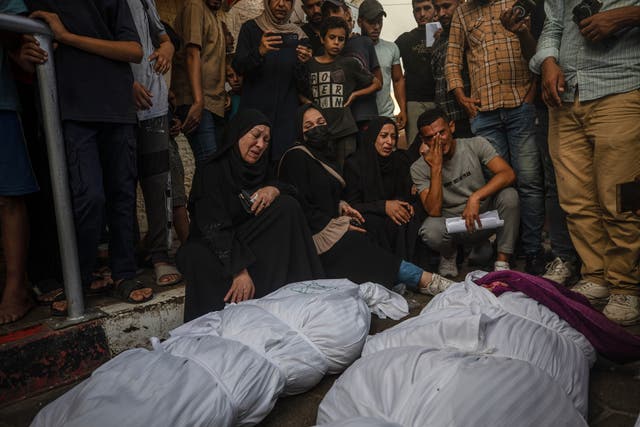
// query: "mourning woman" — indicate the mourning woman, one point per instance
point(247, 236)
point(268, 56)
point(379, 186)
point(345, 250)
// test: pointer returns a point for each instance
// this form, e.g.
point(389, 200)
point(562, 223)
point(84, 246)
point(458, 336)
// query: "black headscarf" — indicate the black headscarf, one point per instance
point(381, 177)
point(242, 175)
point(325, 150)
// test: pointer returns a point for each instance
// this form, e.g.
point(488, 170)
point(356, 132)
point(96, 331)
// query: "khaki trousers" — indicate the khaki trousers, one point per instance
point(595, 145)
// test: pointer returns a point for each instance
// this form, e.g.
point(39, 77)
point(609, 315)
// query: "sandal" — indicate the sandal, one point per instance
point(57, 312)
point(123, 289)
point(161, 271)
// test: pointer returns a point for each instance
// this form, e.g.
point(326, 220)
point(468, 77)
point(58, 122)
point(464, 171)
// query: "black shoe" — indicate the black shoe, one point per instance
point(535, 264)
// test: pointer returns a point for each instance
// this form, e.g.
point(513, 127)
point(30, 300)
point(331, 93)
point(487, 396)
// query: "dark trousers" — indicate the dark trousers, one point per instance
point(101, 158)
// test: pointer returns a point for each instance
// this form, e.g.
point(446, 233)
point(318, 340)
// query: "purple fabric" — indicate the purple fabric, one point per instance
point(608, 338)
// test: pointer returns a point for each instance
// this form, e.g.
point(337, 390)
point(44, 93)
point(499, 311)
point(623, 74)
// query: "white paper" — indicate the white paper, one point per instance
point(489, 220)
point(431, 29)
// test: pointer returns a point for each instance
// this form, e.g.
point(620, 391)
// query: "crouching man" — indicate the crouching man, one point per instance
point(450, 181)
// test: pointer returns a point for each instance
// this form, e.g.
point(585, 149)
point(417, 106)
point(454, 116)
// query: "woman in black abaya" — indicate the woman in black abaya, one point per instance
point(344, 249)
point(239, 251)
point(379, 186)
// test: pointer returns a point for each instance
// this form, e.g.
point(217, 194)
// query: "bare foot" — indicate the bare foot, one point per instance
point(14, 308)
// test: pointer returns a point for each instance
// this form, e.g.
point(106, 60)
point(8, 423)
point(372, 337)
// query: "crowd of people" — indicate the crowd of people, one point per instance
point(528, 108)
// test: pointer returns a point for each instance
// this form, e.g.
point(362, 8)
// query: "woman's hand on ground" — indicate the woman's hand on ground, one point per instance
point(263, 198)
point(242, 288)
point(400, 212)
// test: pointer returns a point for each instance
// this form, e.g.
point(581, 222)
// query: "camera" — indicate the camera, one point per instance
point(523, 8)
point(585, 9)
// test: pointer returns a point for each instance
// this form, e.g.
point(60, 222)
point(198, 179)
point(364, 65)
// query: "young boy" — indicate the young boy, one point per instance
point(335, 82)
point(96, 42)
point(234, 80)
point(151, 96)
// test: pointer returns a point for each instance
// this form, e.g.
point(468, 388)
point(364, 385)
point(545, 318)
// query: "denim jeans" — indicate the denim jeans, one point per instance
point(409, 274)
point(512, 132)
point(561, 245)
point(204, 139)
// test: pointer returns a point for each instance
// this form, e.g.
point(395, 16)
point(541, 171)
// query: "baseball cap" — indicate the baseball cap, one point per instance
point(370, 10)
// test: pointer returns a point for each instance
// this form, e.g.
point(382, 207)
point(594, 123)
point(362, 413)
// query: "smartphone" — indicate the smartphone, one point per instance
point(355, 222)
point(628, 196)
point(246, 200)
point(289, 40)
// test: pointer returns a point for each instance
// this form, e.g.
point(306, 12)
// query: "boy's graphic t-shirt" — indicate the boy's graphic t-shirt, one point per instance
point(331, 85)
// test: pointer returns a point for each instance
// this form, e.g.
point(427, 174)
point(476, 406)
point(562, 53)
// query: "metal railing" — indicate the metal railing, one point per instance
point(57, 159)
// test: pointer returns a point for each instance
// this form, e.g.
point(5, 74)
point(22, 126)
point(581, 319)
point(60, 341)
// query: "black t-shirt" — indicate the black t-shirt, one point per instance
point(363, 49)
point(416, 60)
point(331, 85)
point(93, 88)
point(316, 43)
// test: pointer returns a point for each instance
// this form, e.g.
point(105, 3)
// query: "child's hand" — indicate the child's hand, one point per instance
point(351, 100)
point(30, 53)
point(142, 97)
point(60, 32)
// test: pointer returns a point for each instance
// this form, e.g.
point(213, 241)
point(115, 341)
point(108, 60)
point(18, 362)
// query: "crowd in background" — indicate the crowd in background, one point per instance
point(528, 108)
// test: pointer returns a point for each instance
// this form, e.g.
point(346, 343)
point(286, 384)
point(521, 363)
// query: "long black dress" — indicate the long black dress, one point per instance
point(354, 256)
point(371, 181)
point(275, 247)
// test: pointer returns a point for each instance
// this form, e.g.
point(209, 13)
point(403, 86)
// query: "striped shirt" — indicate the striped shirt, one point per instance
point(596, 69)
point(499, 74)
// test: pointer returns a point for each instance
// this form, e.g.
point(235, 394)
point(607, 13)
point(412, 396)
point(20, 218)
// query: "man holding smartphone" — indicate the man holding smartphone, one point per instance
point(590, 67)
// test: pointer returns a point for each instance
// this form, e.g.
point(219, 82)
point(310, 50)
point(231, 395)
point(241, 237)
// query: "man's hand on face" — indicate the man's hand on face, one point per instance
point(433, 155)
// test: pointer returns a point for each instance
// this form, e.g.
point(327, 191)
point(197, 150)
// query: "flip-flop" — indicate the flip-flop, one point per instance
point(102, 290)
point(124, 289)
point(55, 312)
point(163, 270)
point(48, 297)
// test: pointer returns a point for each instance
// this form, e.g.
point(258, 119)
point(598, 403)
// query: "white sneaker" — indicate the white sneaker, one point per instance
point(437, 285)
point(448, 266)
point(595, 293)
point(558, 271)
point(501, 266)
point(623, 309)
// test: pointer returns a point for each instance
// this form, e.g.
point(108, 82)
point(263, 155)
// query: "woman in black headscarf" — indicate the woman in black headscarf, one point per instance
point(247, 237)
point(345, 250)
point(379, 186)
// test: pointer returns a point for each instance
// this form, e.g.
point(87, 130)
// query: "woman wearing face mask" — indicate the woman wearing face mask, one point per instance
point(247, 237)
point(379, 186)
point(338, 233)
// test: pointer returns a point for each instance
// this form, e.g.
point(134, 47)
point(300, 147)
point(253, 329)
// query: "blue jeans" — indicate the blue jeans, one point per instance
point(561, 245)
point(409, 273)
point(204, 139)
point(512, 132)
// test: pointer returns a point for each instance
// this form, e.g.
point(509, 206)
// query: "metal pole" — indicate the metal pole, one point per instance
point(57, 159)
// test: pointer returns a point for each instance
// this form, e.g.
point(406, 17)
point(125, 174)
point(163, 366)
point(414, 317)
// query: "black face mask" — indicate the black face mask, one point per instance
point(318, 137)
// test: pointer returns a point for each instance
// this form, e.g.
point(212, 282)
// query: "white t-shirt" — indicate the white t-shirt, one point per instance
point(388, 55)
